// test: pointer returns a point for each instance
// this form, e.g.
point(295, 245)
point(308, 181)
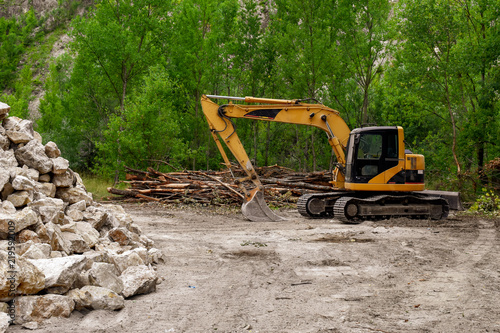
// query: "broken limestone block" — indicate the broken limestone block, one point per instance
point(21, 183)
point(38, 251)
point(56, 254)
point(55, 236)
point(51, 150)
point(23, 247)
point(4, 178)
point(106, 245)
point(135, 229)
point(7, 208)
point(27, 235)
point(8, 159)
point(82, 280)
point(39, 308)
point(75, 211)
point(97, 256)
point(20, 198)
point(138, 280)
point(20, 276)
point(74, 214)
point(110, 222)
point(51, 234)
point(4, 109)
point(64, 179)
point(7, 190)
point(69, 227)
point(96, 217)
point(18, 130)
point(76, 242)
point(47, 189)
point(120, 235)
point(105, 275)
point(72, 195)
point(95, 298)
point(27, 172)
point(79, 181)
point(119, 213)
point(18, 221)
point(4, 307)
point(125, 260)
point(45, 178)
point(80, 205)
point(143, 254)
point(4, 142)
point(30, 325)
point(60, 165)
point(89, 234)
point(49, 209)
point(60, 273)
point(33, 155)
point(5, 319)
point(155, 256)
point(148, 243)
point(38, 137)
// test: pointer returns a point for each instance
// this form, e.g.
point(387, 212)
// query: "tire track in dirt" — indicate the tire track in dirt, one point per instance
point(455, 291)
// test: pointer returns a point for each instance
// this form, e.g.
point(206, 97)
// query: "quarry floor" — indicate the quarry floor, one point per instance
point(222, 273)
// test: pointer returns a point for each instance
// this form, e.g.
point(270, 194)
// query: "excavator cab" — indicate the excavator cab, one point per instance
point(377, 161)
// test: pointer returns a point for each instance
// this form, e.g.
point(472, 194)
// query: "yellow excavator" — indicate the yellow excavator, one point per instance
point(375, 176)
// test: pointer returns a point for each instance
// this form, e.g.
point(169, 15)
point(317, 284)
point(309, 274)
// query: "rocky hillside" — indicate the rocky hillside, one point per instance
point(9, 8)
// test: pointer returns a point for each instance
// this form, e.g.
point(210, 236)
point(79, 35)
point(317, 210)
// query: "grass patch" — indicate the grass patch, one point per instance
point(97, 186)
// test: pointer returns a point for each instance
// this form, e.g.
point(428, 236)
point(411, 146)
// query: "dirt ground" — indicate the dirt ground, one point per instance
point(223, 273)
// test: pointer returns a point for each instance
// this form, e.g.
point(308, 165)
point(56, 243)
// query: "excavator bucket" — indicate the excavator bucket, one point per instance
point(256, 209)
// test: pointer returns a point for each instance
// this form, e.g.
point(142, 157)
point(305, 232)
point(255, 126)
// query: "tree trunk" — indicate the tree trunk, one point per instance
point(364, 114)
point(454, 128)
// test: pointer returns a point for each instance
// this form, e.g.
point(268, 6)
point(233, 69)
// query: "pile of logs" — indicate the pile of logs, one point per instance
point(282, 186)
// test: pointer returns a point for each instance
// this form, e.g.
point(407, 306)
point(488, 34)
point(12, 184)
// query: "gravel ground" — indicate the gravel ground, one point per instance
point(222, 273)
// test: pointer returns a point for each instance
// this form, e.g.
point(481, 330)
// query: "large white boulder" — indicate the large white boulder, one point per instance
point(39, 308)
point(33, 155)
point(138, 280)
point(60, 273)
point(105, 275)
point(18, 276)
point(95, 298)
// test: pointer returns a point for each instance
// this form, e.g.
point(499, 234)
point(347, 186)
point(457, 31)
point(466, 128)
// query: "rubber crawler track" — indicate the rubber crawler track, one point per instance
point(346, 214)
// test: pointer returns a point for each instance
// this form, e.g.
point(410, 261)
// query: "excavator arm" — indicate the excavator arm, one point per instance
point(277, 110)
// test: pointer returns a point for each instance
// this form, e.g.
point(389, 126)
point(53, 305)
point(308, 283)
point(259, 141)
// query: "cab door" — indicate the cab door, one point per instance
point(371, 151)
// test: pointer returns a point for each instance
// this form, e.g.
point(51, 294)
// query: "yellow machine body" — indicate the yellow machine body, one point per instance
point(369, 159)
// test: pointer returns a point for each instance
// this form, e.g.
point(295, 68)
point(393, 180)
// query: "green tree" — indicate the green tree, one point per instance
point(113, 47)
point(16, 34)
point(148, 130)
point(304, 34)
point(365, 44)
point(477, 56)
point(199, 61)
point(426, 63)
point(443, 80)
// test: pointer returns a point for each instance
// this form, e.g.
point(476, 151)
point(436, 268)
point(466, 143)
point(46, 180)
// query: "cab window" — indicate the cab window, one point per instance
point(370, 146)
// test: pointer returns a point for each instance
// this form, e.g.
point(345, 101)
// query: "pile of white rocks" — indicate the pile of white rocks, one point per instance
point(59, 249)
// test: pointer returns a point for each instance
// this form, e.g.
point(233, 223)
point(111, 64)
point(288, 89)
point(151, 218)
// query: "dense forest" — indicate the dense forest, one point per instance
point(127, 88)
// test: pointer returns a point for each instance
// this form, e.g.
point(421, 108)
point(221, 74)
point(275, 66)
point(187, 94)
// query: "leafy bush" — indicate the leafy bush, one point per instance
point(488, 204)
